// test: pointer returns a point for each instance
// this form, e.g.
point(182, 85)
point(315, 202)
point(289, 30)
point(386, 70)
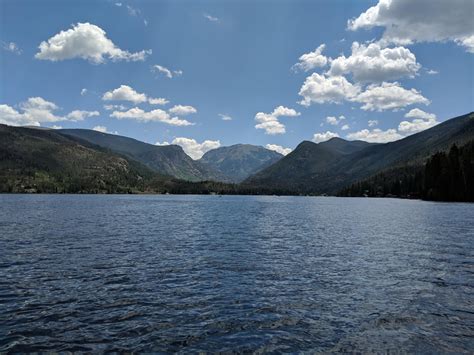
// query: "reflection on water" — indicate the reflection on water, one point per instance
point(190, 273)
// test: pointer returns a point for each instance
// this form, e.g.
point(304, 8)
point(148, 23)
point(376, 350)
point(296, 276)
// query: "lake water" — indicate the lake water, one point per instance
point(241, 273)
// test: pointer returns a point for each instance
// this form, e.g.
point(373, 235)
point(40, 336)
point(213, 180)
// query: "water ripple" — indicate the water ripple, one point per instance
point(235, 274)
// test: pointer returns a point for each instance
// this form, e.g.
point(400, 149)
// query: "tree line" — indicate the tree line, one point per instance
point(445, 176)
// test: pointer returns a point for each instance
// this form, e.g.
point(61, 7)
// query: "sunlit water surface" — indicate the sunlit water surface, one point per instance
point(191, 273)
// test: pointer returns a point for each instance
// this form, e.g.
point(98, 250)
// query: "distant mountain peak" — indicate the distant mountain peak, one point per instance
point(239, 161)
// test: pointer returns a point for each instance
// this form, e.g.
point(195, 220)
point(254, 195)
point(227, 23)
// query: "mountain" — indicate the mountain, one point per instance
point(38, 160)
point(237, 162)
point(167, 160)
point(43, 160)
point(330, 166)
point(445, 176)
point(301, 170)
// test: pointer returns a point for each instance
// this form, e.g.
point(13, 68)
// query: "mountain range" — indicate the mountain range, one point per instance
point(79, 160)
point(237, 162)
point(330, 166)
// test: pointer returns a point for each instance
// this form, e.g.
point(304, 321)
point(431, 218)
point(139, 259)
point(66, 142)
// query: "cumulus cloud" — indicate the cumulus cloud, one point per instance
point(417, 113)
point(88, 42)
point(389, 96)
point(345, 127)
point(375, 135)
point(150, 116)
point(311, 60)
point(269, 121)
point(181, 110)
point(325, 136)
point(103, 129)
point(161, 144)
point(10, 116)
point(372, 63)
point(83, 92)
point(165, 71)
point(37, 110)
point(158, 101)
point(115, 107)
point(279, 149)
point(126, 93)
point(225, 117)
point(408, 21)
point(422, 120)
point(11, 47)
point(80, 115)
point(194, 149)
point(320, 89)
point(332, 120)
point(415, 126)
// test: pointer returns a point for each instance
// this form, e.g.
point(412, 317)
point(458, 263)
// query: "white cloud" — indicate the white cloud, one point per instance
point(225, 117)
point(432, 72)
point(11, 47)
point(194, 149)
point(320, 89)
point(79, 115)
point(311, 60)
point(167, 72)
point(150, 116)
point(332, 120)
point(270, 124)
point(10, 116)
point(181, 110)
point(115, 107)
point(161, 144)
point(345, 127)
point(372, 63)
point(37, 110)
point(86, 41)
point(211, 18)
point(158, 101)
point(417, 125)
point(389, 96)
point(422, 120)
point(417, 113)
point(279, 149)
point(103, 129)
point(269, 121)
point(126, 93)
point(83, 92)
point(376, 135)
point(408, 21)
point(325, 136)
point(119, 4)
point(56, 127)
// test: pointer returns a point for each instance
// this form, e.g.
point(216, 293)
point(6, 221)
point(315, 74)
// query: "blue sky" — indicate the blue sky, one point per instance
point(237, 59)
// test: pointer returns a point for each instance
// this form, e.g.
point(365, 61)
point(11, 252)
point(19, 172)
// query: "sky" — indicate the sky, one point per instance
point(204, 74)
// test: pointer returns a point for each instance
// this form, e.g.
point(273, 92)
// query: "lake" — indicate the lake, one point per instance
point(241, 273)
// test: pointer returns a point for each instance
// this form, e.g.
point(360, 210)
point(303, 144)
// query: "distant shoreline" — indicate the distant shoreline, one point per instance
point(219, 195)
